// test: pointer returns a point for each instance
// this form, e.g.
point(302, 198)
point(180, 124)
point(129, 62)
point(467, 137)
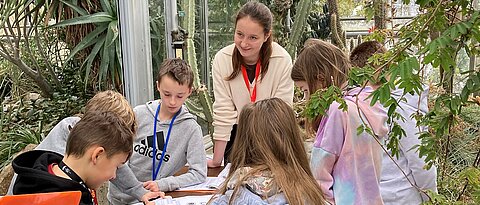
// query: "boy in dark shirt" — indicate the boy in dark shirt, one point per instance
point(97, 145)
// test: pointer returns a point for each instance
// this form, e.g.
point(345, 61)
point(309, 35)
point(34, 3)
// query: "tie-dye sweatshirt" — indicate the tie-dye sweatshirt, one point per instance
point(347, 165)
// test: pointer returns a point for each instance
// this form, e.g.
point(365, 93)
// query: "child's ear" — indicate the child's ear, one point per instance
point(158, 85)
point(96, 153)
point(189, 92)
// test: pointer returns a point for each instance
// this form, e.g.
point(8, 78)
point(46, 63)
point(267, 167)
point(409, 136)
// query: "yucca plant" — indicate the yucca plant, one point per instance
point(103, 63)
point(21, 24)
point(34, 49)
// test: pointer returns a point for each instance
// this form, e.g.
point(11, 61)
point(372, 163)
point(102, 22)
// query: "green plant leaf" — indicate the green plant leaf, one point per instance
point(99, 17)
point(118, 50)
point(464, 94)
point(89, 60)
point(87, 41)
point(384, 93)
point(76, 8)
point(111, 65)
point(104, 63)
point(391, 109)
point(470, 84)
point(112, 33)
point(360, 129)
point(422, 3)
point(375, 96)
point(107, 7)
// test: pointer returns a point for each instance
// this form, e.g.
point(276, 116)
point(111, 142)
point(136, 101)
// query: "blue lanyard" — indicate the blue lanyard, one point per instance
point(155, 171)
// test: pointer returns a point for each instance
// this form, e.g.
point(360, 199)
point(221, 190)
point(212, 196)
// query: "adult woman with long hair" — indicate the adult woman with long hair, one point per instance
point(251, 69)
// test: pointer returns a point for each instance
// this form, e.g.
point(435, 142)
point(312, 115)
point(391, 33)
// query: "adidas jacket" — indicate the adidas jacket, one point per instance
point(185, 146)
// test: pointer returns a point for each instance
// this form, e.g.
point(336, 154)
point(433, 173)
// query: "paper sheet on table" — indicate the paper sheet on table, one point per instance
point(193, 200)
point(225, 171)
point(211, 183)
point(186, 200)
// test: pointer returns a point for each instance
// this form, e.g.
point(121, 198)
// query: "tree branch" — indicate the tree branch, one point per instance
point(47, 60)
point(42, 83)
point(412, 40)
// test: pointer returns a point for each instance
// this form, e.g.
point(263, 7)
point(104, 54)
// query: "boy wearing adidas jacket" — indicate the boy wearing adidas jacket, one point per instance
point(168, 138)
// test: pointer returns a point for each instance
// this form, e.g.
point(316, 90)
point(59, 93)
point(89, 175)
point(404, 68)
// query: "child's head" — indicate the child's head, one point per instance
point(269, 133)
point(270, 140)
point(253, 37)
point(104, 142)
point(174, 83)
point(360, 54)
point(112, 101)
point(319, 65)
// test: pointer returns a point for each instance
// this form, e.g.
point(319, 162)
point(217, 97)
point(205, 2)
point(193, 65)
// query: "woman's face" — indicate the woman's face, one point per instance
point(249, 38)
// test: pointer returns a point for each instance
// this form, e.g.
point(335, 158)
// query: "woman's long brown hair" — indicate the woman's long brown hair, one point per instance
point(268, 139)
point(261, 14)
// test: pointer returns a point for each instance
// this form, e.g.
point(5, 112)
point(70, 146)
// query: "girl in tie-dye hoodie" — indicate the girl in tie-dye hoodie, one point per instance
point(346, 163)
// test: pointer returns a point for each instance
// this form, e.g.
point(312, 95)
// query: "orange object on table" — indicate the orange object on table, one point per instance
point(51, 198)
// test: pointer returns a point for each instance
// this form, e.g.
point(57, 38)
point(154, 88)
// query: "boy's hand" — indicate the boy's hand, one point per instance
point(213, 164)
point(151, 186)
point(150, 196)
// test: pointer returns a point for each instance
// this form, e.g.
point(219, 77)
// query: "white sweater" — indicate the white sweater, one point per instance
point(231, 96)
point(394, 186)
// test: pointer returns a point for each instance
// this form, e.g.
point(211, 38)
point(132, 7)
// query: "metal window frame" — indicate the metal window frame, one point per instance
point(136, 51)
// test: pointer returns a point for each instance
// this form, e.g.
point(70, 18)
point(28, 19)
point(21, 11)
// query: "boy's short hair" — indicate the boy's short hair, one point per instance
point(103, 129)
point(360, 54)
point(177, 69)
point(112, 101)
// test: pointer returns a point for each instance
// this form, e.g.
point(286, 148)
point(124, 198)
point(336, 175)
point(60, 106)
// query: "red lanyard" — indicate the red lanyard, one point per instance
point(253, 94)
point(94, 196)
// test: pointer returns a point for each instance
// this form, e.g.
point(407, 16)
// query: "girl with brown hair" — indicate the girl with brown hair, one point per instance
point(251, 69)
point(270, 164)
point(345, 162)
